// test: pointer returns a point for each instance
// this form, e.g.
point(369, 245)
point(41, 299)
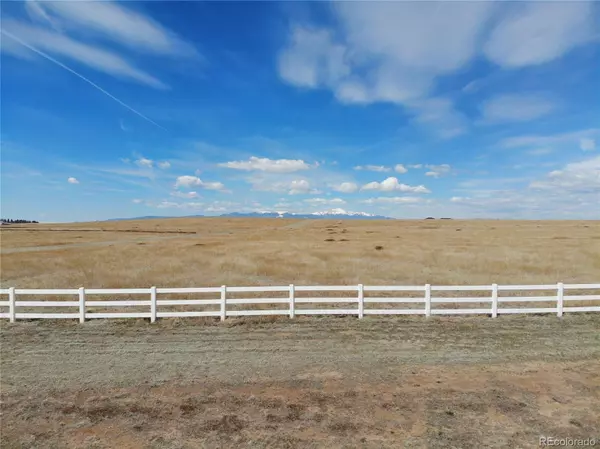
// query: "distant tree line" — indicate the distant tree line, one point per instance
point(18, 221)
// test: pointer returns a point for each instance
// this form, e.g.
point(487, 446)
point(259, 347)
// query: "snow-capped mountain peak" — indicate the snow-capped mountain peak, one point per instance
point(338, 211)
point(331, 213)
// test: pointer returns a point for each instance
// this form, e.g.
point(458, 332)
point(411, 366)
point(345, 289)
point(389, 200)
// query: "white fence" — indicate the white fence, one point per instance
point(361, 302)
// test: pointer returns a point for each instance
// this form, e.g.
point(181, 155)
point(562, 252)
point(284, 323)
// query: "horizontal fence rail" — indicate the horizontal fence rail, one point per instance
point(493, 301)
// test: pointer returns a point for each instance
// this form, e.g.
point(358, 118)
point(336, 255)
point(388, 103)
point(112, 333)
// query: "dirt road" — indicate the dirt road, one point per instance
point(448, 382)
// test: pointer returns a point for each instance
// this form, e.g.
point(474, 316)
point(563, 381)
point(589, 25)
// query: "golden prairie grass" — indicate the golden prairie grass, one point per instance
point(247, 252)
point(280, 252)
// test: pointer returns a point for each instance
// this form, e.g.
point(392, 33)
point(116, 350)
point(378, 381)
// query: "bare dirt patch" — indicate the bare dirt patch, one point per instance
point(452, 382)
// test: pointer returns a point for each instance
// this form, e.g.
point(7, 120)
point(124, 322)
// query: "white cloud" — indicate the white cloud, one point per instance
point(91, 56)
point(164, 165)
point(167, 205)
point(312, 59)
point(403, 32)
point(388, 52)
point(391, 184)
point(185, 194)
point(299, 187)
point(377, 168)
point(437, 170)
point(516, 108)
point(538, 32)
point(215, 209)
point(72, 181)
point(137, 201)
point(267, 165)
point(551, 140)
point(193, 181)
point(393, 200)
point(399, 168)
point(581, 177)
point(587, 144)
point(213, 186)
point(188, 181)
point(144, 163)
point(117, 23)
point(37, 13)
point(416, 166)
point(14, 48)
point(472, 87)
point(440, 114)
point(323, 201)
point(174, 205)
point(396, 51)
point(282, 184)
point(571, 192)
point(346, 187)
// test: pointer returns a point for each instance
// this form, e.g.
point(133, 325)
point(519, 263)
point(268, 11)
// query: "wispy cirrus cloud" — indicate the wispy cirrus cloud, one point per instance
point(436, 171)
point(89, 55)
point(324, 201)
point(517, 108)
point(179, 194)
point(587, 144)
point(114, 22)
point(393, 200)
point(555, 140)
point(534, 33)
point(376, 168)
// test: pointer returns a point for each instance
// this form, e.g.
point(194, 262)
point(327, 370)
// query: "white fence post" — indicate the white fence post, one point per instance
point(494, 300)
point(560, 297)
point(292, 301)
point(361, 301)
point(11, 304)
point(152, 304)
point(223, 302)
point(81, 305)
point(427, 300)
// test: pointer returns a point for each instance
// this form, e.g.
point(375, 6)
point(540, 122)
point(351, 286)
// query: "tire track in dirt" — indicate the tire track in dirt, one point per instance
point(50, 355)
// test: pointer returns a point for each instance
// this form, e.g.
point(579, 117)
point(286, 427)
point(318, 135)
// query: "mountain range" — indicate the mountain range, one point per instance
point(337, 213)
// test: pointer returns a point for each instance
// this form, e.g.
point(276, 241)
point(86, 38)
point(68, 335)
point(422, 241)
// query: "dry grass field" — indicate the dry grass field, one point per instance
point(311, 382)
point(216, 251)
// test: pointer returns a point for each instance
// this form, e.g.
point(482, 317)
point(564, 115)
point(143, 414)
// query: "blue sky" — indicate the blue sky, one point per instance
point(406, 109)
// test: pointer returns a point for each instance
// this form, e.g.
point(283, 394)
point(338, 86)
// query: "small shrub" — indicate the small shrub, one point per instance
point(379, 247)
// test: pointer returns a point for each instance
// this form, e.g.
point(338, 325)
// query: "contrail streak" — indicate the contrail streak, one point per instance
point(50, 58)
